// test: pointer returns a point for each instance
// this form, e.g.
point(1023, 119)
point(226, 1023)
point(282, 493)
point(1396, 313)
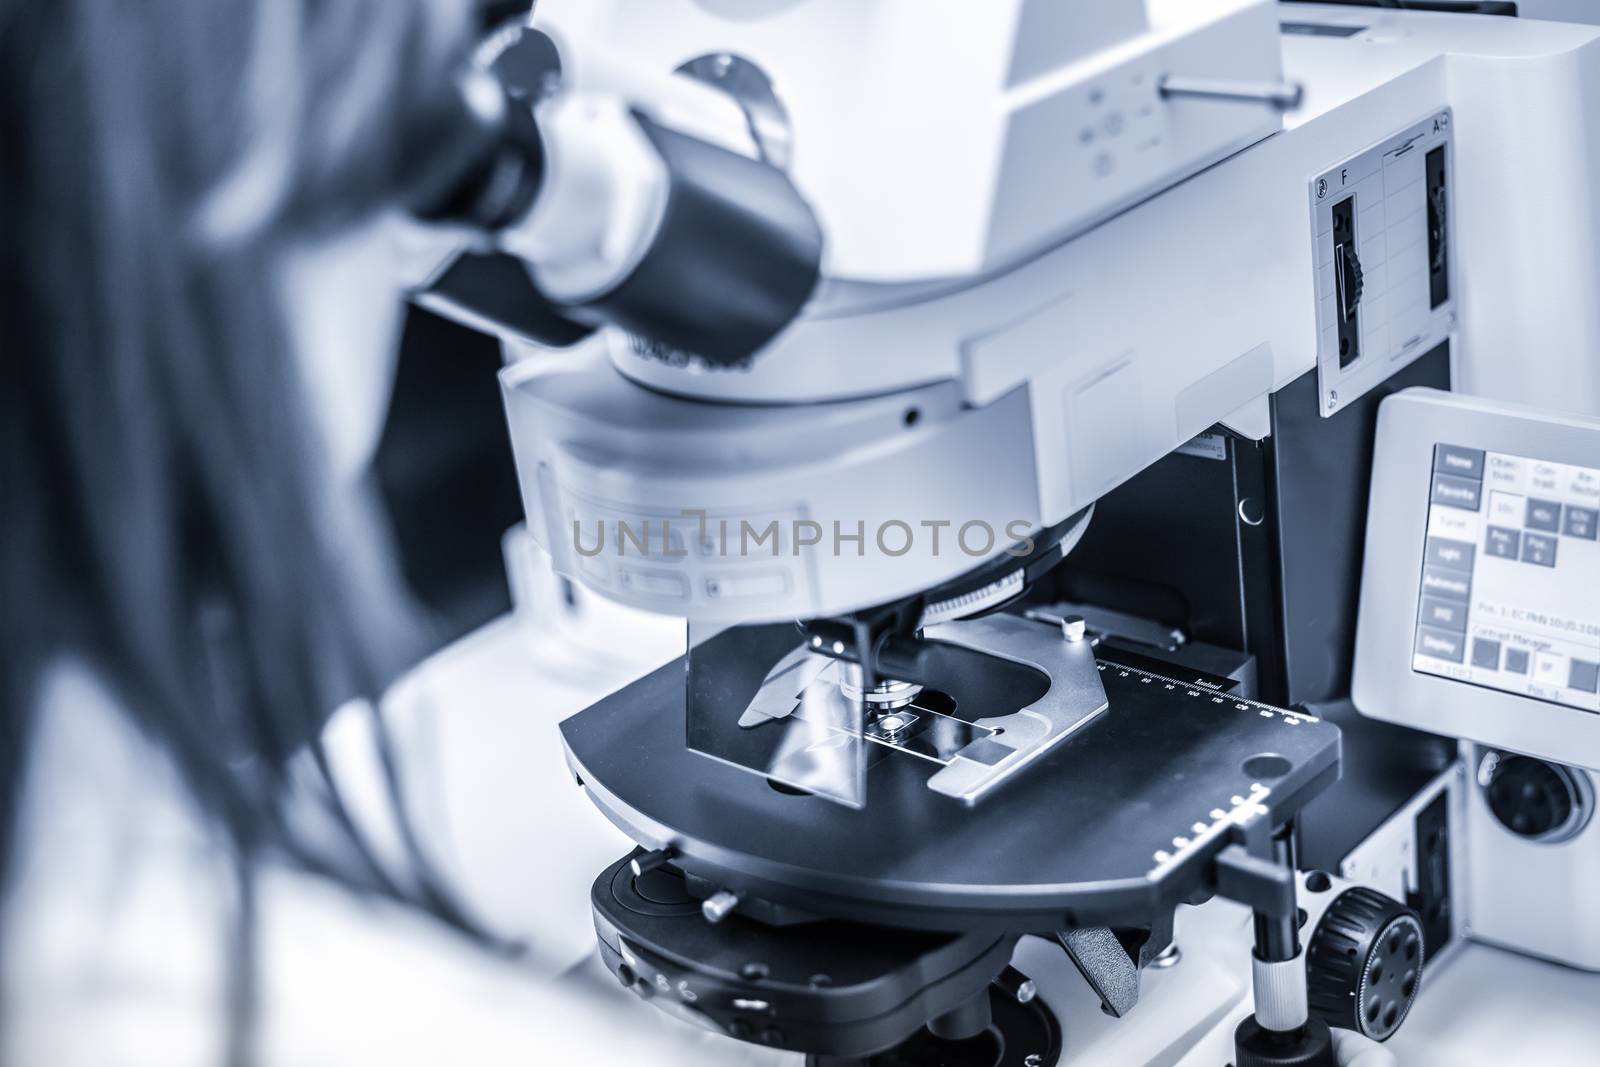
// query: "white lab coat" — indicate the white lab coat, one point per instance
point(116, 923)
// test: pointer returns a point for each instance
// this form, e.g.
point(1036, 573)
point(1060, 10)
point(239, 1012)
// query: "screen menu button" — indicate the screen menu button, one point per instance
point(1444, 614)
point(1456, 492)
point(1441, 644)
point(1579, 523)
point(1503, 543)
point(1453, 459)
point(1539, 549)
point(1544, 515)
point(1456, 555)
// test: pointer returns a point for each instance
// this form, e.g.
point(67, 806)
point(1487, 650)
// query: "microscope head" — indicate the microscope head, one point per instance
point(897, 439)
point(939, 140)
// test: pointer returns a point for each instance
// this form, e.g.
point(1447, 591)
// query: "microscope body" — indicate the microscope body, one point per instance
point(1107, 304)
point(1060, 371)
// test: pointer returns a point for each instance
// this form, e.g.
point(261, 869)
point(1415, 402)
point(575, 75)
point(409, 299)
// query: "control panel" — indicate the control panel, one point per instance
point(1480, 592)
point(1510, 592)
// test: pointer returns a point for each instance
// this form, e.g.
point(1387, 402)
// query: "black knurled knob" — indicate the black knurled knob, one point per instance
point(1529, 797)
point(1355, 279)
point(1309, 1046)
point(1364, 963)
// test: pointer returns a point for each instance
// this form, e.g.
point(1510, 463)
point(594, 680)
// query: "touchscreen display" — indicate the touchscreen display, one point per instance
point(1510, 585)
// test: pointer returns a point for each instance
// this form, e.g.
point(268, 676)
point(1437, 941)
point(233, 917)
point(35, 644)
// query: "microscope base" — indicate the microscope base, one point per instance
point(1019, 1035)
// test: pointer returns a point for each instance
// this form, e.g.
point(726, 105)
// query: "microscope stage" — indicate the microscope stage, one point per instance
point(1116, 824)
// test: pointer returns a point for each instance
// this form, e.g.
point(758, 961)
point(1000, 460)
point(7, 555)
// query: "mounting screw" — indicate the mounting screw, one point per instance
point(1017, 985)
point(719, 905)
point(649, 861)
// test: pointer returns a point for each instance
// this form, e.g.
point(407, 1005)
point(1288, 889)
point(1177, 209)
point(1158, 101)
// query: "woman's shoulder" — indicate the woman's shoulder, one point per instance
point(118, 926)
point(117, 900)
point(91, 770)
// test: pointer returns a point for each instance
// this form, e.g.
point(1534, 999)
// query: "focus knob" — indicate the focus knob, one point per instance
point(1532, 798)
point(1364, 963)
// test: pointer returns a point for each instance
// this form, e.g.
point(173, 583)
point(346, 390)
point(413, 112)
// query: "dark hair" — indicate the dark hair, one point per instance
point(161, 512)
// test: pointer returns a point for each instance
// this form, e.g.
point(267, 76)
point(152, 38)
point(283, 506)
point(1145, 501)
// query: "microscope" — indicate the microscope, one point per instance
point(1045, 417)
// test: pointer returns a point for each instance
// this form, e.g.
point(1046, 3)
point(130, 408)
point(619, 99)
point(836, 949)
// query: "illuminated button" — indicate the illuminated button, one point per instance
point(1551, 669)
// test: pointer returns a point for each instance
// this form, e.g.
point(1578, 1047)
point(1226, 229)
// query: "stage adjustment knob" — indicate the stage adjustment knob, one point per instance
point(1364, 963)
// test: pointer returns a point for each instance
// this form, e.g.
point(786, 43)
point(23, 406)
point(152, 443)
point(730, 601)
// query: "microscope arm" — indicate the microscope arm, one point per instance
point(617, 219)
